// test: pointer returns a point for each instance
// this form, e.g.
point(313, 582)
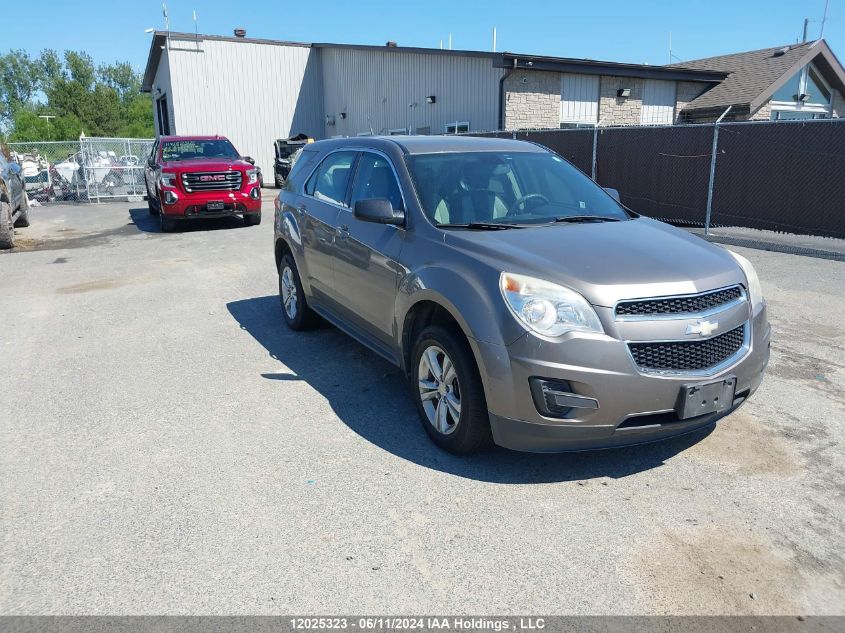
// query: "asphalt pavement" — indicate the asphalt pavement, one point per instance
point(169, 447)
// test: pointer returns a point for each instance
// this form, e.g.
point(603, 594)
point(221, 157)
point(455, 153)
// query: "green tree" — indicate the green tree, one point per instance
point(102, 100)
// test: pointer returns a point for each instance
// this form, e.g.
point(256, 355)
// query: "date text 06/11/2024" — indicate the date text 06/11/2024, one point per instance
point(387, 623)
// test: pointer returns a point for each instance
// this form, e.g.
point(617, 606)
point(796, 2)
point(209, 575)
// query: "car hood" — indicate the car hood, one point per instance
point(608, 261)
point(206, 164)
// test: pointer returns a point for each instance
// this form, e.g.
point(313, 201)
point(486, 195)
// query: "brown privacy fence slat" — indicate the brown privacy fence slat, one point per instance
point(786, 176)
point(660, 172)
point(782, 177)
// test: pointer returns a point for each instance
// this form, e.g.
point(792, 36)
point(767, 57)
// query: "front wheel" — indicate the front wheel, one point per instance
point(298, 315)
point(448, 392)
point(7, 227)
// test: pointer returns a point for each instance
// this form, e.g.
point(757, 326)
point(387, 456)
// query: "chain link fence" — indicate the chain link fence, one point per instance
point(786, 176)
point(87, 170)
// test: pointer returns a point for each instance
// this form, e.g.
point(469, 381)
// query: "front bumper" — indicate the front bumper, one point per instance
point(195, 204)
point(634, 407)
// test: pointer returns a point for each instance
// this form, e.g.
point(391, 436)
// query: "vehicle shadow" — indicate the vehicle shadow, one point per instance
point(372, 398)
point(147, 223)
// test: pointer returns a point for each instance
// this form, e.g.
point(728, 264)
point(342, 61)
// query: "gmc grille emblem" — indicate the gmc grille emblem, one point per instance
point(703, 328)
point(212, 178)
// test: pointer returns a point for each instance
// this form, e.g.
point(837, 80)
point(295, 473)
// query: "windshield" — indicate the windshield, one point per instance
point(507, 188)
point(188, 150)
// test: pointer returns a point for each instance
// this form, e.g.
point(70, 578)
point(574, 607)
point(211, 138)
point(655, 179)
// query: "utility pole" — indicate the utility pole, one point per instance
point(47, 118)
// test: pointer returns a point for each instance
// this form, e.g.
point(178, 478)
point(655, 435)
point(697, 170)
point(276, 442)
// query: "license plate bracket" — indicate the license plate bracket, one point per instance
point(702, 398)
point(215, 206)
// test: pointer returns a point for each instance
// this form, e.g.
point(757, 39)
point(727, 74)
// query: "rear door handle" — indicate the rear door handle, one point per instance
point(301, 209)
point(342, 232)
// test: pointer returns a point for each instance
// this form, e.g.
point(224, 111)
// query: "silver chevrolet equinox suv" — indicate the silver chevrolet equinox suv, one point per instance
point(525, 304)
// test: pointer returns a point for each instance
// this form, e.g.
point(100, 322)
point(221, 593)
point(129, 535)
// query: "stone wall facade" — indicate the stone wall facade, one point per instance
point(615, 110)
point(532, 100)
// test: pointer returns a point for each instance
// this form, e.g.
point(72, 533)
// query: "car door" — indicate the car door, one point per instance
point(150, 171)
point(367, 254)
point(324, 198)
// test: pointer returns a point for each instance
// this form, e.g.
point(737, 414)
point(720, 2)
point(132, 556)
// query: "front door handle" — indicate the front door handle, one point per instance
point(342, 232)
point(301, 209)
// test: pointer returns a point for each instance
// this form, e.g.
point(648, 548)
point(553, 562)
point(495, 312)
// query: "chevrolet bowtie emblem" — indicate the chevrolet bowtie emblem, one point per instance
point(703, 328)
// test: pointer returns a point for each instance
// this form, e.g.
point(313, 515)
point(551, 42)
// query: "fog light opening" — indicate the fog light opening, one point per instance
point(555, 398)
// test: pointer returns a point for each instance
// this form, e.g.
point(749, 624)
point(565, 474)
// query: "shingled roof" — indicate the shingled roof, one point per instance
point(756, 75)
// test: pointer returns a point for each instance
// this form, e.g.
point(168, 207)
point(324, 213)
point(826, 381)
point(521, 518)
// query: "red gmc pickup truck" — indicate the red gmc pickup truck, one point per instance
point(190, 177)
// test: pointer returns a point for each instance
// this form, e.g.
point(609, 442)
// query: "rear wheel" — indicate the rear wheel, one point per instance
point(7, 227)
point(448, 392)
point(295, 308)
point(252, 219)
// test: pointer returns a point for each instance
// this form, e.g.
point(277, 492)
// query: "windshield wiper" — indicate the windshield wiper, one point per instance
point(481, 226)
point(585, 218)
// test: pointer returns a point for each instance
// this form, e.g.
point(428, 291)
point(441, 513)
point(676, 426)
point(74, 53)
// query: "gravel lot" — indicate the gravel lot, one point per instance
point(170, 447)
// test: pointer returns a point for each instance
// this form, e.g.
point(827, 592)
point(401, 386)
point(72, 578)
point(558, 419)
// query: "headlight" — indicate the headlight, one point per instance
point(252, 176)
point(755, 291)
point(167, 180)
point(547, 308)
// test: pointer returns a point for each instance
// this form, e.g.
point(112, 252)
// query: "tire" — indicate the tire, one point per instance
point(167, 225)
point(252, 219)
point(7, 227)
point(463, 391)
point(298, 315)
point(279, 182)
point(151, 206)
point(23, 218)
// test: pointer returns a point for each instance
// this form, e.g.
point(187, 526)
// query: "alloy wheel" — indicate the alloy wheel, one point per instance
point(289, 299)
point(440, 390)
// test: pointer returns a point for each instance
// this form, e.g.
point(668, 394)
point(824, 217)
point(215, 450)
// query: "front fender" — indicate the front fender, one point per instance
point(472, 298)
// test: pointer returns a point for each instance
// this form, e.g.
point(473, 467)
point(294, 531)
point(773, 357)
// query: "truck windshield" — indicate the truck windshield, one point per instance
point(460, 188)
point(188, 150)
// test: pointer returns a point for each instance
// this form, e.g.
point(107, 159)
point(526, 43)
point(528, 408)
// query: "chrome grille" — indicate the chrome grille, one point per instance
point(688, 355)
point(689, 304)
point(212, 181)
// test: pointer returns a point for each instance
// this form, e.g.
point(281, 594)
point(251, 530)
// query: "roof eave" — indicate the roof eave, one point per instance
point(616, 69)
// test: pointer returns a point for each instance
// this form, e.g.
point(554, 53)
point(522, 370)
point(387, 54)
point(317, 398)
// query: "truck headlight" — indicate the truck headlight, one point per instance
point(755, 291)
point(167, 179)
point(252, 176)
point(547, 308)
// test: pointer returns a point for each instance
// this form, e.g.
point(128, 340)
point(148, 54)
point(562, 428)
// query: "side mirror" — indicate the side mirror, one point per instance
point(613, 194)
point(378, 210)
point(249, 159)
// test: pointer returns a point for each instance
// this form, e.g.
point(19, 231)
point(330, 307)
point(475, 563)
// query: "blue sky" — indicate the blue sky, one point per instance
point(610, 30)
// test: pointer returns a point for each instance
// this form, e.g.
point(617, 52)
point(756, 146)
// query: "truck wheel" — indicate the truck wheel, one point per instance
point(152, 206)
point(7, 227)
point(295, 308)
point(167, 225)
point(252, 219)
point(448, 392)
point(23, 218)
point(279, 183)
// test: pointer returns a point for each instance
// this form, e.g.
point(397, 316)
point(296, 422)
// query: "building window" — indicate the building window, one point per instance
point(458, 127)
point(658, 102)
point(424, 131)
point(579, 99)
point(367, 133)
point(805, 96)
point(397, 131)
point(163, 116)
